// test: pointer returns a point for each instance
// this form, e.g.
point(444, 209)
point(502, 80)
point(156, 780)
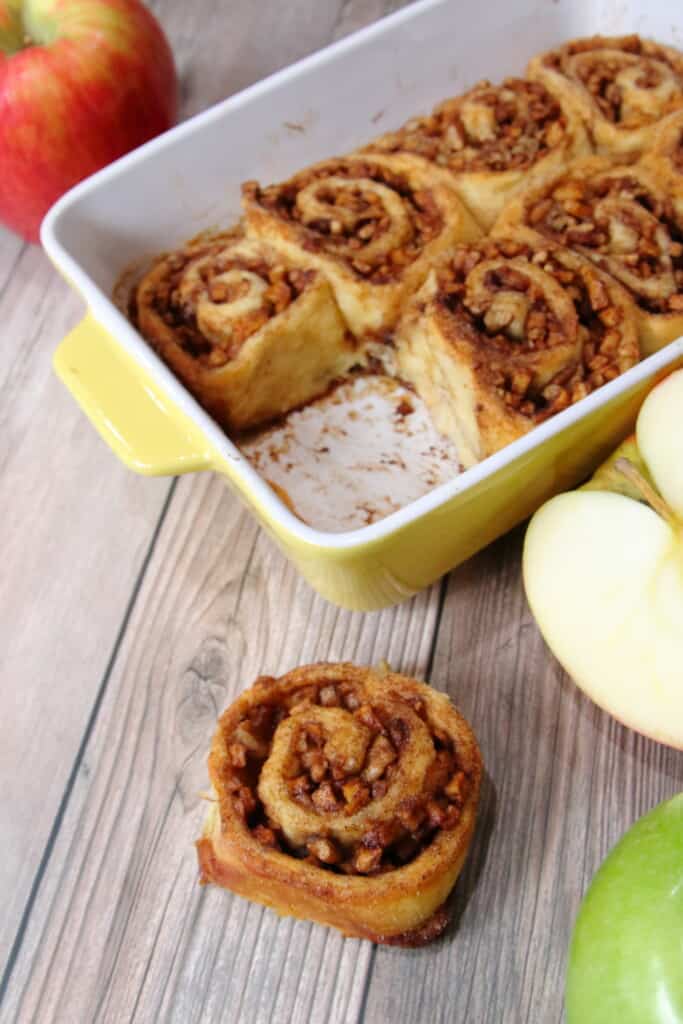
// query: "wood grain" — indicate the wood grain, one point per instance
point(71, 552)
point(564, 781)
point(134, 610)
point(120, 929)
point(74, 552)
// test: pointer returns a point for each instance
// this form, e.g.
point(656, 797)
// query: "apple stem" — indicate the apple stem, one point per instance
point(657, 503)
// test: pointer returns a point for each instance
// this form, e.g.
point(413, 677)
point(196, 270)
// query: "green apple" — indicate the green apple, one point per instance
point(626, 954)
point(603, 573)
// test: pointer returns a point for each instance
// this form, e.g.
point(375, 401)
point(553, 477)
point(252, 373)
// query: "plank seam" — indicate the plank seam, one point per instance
point(366, 986)
point(443, 589)
point(339, 20)
point(13, 267)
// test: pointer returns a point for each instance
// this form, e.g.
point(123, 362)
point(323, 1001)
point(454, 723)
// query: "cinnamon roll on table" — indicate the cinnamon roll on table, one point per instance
point(621, 86)
point(250, 333)
point(491, 139)
point(346, 796)
point(372, 225)
point(504, 334)
point(625, 221)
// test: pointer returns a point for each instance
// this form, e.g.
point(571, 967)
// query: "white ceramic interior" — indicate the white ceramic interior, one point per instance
point(189, 179)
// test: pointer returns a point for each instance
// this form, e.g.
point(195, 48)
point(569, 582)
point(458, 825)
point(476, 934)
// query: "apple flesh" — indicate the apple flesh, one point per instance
point(626, 953)
point(81, 83)
point(603, 574)
point(662, 448)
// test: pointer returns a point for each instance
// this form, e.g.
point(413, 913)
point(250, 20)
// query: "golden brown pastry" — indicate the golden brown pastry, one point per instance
point(623, 220)
point(372, 225)
point(251, 334)
point(504, 334)
point(346, 796)
point(491, 140)
point(621, 86)
point(664, 159)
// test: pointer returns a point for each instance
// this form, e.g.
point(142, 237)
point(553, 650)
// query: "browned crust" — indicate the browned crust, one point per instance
point(499, 355)
point(420, 202)
point(509, 331)
point(169, 322)
point(213, 871)
point(527, 122)
point(620, 114)
point(372, 224)
point(251, 333)
point(644, 212)
point(401, 905)
point(665, 159)
point(422, 936)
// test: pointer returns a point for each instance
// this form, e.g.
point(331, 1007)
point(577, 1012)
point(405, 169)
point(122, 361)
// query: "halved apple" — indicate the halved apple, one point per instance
point(603, 573)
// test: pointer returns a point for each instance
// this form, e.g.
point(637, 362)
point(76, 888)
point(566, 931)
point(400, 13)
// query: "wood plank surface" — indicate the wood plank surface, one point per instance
point(121, 930)
point(74, 532)
point(134, 610)
point(564, 781)
point(78, 527)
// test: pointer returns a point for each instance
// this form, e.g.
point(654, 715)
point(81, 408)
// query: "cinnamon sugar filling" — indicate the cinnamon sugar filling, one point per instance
point(349, 800)
point(358, 211)
point(518, 330)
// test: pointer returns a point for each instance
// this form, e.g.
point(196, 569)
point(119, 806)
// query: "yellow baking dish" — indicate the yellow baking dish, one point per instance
point(189, 179)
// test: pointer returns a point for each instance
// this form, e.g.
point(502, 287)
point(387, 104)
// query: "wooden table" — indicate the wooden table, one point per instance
point(133, 610)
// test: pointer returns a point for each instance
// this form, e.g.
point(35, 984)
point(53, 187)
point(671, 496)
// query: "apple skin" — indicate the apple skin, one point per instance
point(662, 449)
point(626, 953)
point(603, 575)
point(97, 81)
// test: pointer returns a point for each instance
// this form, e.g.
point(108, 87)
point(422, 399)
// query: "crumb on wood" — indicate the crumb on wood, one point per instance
point(404, 408)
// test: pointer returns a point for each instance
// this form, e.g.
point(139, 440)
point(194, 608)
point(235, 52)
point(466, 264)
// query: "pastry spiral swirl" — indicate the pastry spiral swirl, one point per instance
point(621, 86)
point(370, 224)
point(490, 139)
point(624, 221)
point(504, 334)
point(251, 334)
point(346, 796)
point(664, 160)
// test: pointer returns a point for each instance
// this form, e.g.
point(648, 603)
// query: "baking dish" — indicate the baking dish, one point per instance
point(188, 180)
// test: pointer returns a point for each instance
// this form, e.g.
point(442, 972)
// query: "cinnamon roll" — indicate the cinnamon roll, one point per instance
point(251, 334)
point(504, 334)
point(623, 220)
point(621, 86)
point(491, 139)
point(371, 224)
point(346, 796)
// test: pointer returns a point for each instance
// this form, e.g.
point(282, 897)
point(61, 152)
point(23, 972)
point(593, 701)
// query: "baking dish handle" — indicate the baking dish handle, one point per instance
point(136, 419)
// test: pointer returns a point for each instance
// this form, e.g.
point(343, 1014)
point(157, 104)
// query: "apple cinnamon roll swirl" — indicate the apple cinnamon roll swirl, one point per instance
point(664, 159)
point(624, 221)
point(621, 86)
point(491, 139)
point(372, 225)
point(346, 796)
point(251, 334)
point(504, 334)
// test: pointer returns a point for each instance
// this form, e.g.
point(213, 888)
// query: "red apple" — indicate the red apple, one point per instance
point(81, 83)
